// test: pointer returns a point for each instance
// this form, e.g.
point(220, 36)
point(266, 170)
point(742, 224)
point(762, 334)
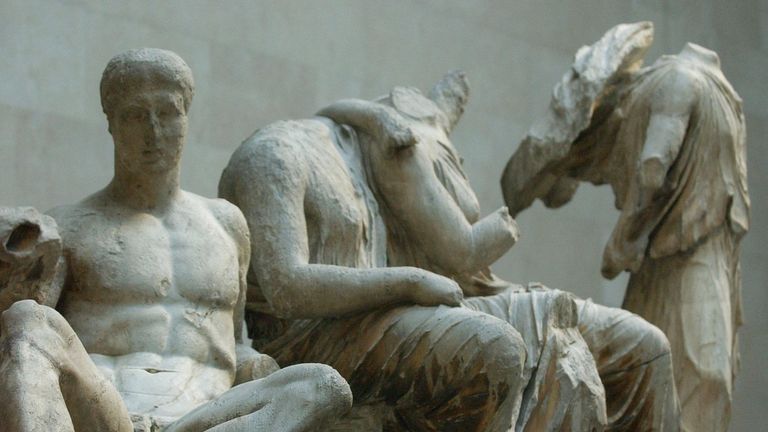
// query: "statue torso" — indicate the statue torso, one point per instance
point(152, 299)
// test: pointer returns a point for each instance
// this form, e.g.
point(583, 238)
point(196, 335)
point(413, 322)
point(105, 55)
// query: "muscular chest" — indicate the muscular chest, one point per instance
point(144, 259)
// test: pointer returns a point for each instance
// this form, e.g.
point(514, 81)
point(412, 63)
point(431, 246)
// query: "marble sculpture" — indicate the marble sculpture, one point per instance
point(361, 219)
point(149, 293)
point(355, 257)
point(670, 140)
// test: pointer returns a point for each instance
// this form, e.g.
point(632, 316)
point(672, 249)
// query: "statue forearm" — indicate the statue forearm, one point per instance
point(316, 290)
point(355, 112)
point(380, 121)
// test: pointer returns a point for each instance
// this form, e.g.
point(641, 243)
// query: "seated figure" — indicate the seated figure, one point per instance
point(428, 203)
point(149, 324)
point(319, 263)
point(329, 206)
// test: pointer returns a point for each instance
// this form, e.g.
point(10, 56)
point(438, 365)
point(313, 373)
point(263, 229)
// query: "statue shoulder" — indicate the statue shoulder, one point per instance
point(228, 216)
point(682, 79)
point(278, 156)
point(284, 145)
point(72, 218)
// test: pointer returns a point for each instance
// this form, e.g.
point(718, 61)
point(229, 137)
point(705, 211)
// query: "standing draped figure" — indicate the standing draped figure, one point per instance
point(670, 140)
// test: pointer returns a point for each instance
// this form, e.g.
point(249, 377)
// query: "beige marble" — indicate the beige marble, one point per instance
point(149, 325)
point(670, 140)
point(347, 215)
point(632, 357)
point(30, 257)
point(320, 289)
point(513, 52)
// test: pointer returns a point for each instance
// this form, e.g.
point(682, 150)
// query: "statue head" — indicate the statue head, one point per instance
point(146, 94)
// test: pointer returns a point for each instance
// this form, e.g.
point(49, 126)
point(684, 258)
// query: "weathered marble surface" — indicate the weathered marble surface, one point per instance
point(30, 257)
point(631, 355)
point(670, 140)
point(320, 264)
point(148, 330)
point(352, 228)
point(595, 71)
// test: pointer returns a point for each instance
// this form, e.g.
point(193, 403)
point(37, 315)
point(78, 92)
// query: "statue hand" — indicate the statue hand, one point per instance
point(431, 289)
point(253, 365)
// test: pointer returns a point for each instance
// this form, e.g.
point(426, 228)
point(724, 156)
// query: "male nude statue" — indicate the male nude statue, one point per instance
point(151, 309)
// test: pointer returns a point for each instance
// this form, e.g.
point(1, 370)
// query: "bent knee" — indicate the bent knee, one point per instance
point(611, 330)
point(22, 311)
point(29, 313)
point(506, 355)
point(655, 343)
point(29, 324)
point(24, 318)
point(499, 346)
point(329, 386)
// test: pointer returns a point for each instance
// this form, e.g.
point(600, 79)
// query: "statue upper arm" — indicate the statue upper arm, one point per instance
point(268, 184)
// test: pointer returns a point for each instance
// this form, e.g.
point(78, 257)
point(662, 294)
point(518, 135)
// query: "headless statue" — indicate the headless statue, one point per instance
point(631, 355)
point(684, 210)
point(149, 323)
point(319, 288)
point(670, 141)
point(400, 168)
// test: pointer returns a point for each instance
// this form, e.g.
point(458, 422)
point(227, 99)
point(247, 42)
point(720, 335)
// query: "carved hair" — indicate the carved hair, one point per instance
point(135, 67)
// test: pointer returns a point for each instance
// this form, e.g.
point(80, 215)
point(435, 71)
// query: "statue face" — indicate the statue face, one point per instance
point(149, 127)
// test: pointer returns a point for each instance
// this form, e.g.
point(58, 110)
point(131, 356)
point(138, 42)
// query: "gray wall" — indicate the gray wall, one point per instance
point(260, 61)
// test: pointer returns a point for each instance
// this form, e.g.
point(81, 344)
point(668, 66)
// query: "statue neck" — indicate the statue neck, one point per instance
point(145, 191)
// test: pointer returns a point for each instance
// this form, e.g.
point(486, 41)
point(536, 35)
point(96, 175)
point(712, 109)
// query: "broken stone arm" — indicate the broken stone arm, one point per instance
point(670, 112)
point(671, 104)
point(383, 123)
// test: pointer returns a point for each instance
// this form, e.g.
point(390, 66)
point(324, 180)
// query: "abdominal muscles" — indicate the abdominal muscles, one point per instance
point(162, 386)
point(163, 359)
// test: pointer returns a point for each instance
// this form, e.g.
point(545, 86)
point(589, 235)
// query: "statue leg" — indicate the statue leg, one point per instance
point(564, 391)
point(696, 300)
point(298, 398)
point(48, 381)
point(438, 368)
point(635, 365)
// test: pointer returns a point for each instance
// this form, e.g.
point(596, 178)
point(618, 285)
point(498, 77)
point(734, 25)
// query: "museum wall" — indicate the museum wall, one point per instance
point(260, 61)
